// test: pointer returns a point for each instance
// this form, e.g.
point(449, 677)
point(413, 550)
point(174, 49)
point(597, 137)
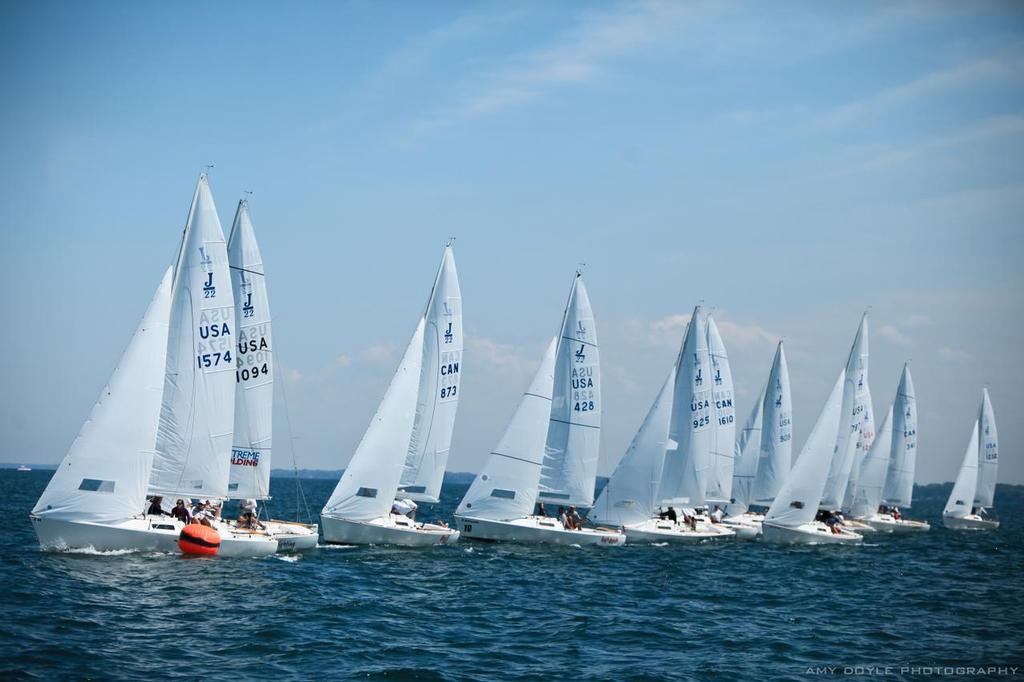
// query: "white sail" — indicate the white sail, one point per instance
point(748, 451)
point(988, 454)
point(574, 431)
point(506, 488)
point(254, 360)
point(961, 498)
point(193, 445)
point(687, 460)
point(871, 479)
point(631, 495)
point(798, 499)
point(776, 433)
point(855, 409)
point(438, 398)
point(103, 476)
point(899, 482)
point(368, 485)
point(723, 419)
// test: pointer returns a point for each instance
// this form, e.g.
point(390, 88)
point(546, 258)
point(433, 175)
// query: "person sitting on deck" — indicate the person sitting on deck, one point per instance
point(540, 509)
point(691, 521)
point(248, 518)
point(716, 515)
point(662, 514)
point(896, 514)
point(181, 512)
point(404, 507)
point(156, 506)
point(833, 522)
point(671, 515)
point(202, 513)
point(574, 519)
point(563, 518)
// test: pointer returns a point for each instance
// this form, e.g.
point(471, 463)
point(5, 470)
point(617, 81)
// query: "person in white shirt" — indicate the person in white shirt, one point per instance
point(404, 507)
point(716, 515)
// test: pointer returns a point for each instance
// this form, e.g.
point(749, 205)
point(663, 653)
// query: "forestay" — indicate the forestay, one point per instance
point(631, 495)
point(368, 485)
point(723, 420)
point(574, 432)
point(438, 396)
point(961, 498)
point(871, 480)
point(988, 454)
point(776, 451)
point(798, 499)
point(899, 482)
point(193, 445)
point(855, 410)
point(103, 477)
point(687, 461)
point(748, 451)
point(506, 488)
point(254, 371)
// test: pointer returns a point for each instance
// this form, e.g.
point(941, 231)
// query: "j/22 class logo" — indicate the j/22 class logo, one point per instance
point(245, 286)
point(209, 290)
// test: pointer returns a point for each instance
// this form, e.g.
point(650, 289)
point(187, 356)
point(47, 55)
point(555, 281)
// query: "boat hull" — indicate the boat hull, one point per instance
point(142, 534)
point(813, 533)
point(885, 523)
point(747, 526)
point(657, 530)
point(537, 530)
point(235, 542)
point(389, 530)
point(292, 536)
point(969, 522)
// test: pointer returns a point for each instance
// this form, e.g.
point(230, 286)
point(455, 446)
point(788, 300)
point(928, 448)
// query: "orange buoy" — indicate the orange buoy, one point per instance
point(198, 539)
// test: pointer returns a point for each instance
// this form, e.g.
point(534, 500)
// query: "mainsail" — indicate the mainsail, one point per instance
point(103, 476)
point(856, 410)
point(687, 460)
point(574, 431)
point(988, 453)
point(899, 482)
point(368, 485)
point(506, 488)
point(723, 420)
point(871, 479)
point(631, 494)
point(776, 432)
point(748, 450)
point(438, 396)
point(961, 498)
point(254, 364)
point(798, 499)
point(193, 445)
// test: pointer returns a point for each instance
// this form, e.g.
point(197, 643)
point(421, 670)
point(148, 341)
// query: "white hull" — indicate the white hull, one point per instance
point(293, 536)
point(658, 530)
point(537, 530)
point(813, 533)
point(885, 523)
point(858, 526)
point(388, 530)
point(235, 542)
point(747, 525)
point(141, 534)
point(969, 522)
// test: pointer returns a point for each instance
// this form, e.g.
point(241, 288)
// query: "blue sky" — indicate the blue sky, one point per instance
point(790, 164)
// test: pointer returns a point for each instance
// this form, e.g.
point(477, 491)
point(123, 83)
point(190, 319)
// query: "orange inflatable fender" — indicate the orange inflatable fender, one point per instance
point(198, 539)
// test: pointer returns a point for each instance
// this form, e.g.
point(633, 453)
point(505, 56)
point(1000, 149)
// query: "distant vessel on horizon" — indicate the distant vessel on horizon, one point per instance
point(24, 468)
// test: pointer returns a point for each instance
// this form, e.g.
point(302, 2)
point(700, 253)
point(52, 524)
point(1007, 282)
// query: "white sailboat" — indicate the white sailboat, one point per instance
point(898, 489)
point(723, 421)
point(164, 423)
point(251, 451)
point(792, 517)
point(764, 448)
point(856, 431)
point(974, 488)
point(547, 446)
point(399, 438)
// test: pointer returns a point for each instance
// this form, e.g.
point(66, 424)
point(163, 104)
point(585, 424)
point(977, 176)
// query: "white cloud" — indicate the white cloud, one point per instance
point(917, 320)
point(378, 352)
point(887, 331)
point(954, 354)
point(342, 361)
point(668, 331)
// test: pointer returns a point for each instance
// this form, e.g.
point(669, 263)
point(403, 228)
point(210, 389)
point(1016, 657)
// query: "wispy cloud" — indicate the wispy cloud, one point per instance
point(954, 354)
point(668, 331)
point(891, 333)
point(579, 57)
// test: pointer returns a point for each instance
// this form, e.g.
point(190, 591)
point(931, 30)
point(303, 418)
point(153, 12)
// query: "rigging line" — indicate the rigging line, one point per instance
point(301, 497)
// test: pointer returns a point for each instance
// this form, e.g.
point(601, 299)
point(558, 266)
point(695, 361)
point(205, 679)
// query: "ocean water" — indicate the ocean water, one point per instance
point(726, 610)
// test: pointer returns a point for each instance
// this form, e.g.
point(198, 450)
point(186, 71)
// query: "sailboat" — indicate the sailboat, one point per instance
point(898, 487)
point(855, 433)
point(673, 459)
point(549, 448)
point(249, 476)
point(975, 485)
point(793, 515)
point(764, 447)
point(163, 425)
point(401, 442)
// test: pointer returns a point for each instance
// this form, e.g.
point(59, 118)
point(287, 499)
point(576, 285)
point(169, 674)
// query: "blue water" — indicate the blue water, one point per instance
point(727, 610)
